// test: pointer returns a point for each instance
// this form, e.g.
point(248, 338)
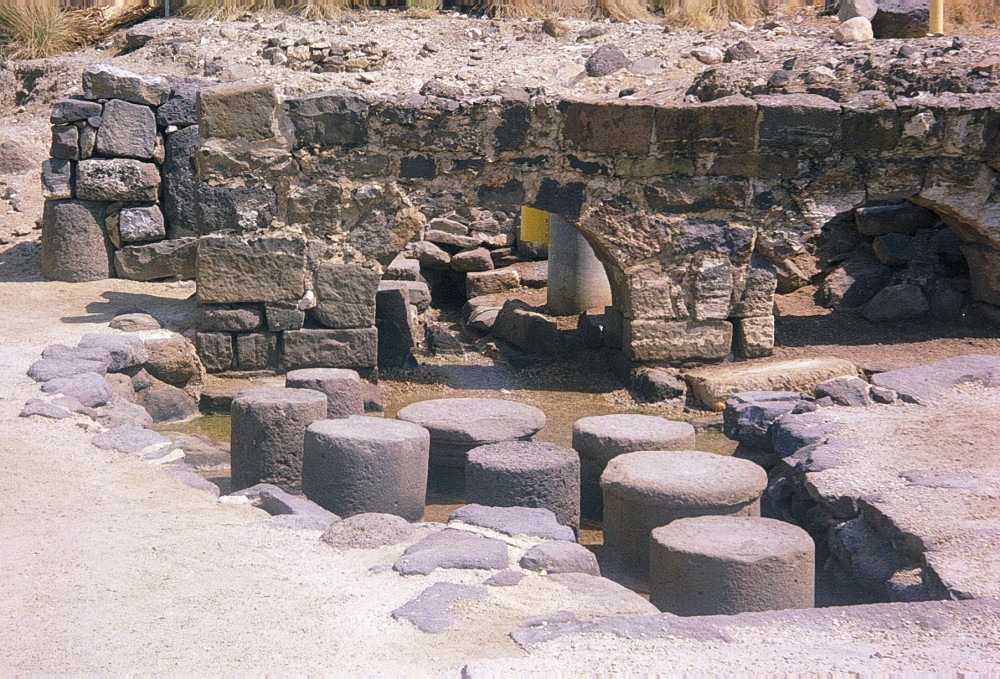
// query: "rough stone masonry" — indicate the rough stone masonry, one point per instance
point(288, 211)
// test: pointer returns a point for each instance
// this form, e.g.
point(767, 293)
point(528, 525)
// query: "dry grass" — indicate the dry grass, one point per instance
point(33, 30)
point(972, 12)
point(709, 13)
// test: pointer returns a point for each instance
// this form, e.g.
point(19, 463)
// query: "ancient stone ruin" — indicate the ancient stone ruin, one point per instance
point(289, 212)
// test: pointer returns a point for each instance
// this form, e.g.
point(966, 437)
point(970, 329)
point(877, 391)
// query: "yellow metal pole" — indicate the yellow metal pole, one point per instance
point(937, 16)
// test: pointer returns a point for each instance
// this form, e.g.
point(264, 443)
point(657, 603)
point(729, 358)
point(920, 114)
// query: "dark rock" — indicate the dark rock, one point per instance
point(335, 118)
point(179, 109)
point(137, 224)
point(189, 477)
point(527, 329)
point(130, 440)
point(894, 249)
point(172, 359)
point(181, 189)
point(72, 110)
point(256, 351)
point(560, 557)
point(441, 342)
point(108, 82)
point(923, 384)
point(431, 611)
point(345, 295)
point(452, 549)
point(854, 282)
point(505, 579)
point(174, 259)
point(281, 318)
point(368, 531)
point(741, 51)
point(231, 270)
point(845, 391)
point(65, 142)
point(355, 348)
point(418, 293)
point(428, 255)
point(230, 318)
point(395, 337)
point(748, 417)
point(117, 179)
point(119, 412)
point(654, 385)
point(166, 403)
point(52, 368)
point(127, 131)
point(43, 409)
point(902, 19)
point(605, 60)
point(57, 179)
point(277, 502)
point(533, 522)
point(134, 322)
point(896, 303)
point(126, 351)
point(905, 218)
point(402, 269)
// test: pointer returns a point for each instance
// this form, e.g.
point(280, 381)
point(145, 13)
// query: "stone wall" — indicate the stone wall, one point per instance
point(295, 207)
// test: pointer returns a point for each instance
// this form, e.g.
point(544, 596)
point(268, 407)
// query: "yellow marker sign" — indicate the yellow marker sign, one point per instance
point(937, 16)
point(534, 225)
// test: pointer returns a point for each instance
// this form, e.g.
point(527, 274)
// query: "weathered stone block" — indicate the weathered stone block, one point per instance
point(726, 124)
point(608, 127)
point(256, 351)
point(354, 348)
point(713, 288)
point(345, 295)
point(57, 179)
point(261, 270)
point(231, 318)
point(70, 110)
point(127, 131)
point(870, 123)
point(136, 224)
point(395, 334)
point(280, 318)
point(65, 142)
point(180, 183)
point(117, 179)
point(491, 282)
point(754, 337)
point(335, 118)
point(166, 259)
point(565, 200)
point(179, 109)
point(215, 350)
point(902, 19)
point(240, 111)
point(656, 340)
point(109, 82)
point(798, 123)
point(75, 247)
point(757, 295)
point(697, 194)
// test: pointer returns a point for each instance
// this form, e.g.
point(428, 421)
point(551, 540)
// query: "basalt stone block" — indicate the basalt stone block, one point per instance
point(335, 118)
point(117, 179)
point(65, 142)
point(510, 192)
point(478, 283)
point(345, 295)
point(256, 351)
point(896, 303)
point(70, 110)
point(512, 132)
point(230, 318)
point(560, 557)
point(215, 350)
point(514, 520)
point(452, 549)
point(109, 82)
point(127, 131)
point(395, 334)
point(368, 531)
point(47, 369)
point(352, 348)
point(127, 351)
point(88, 141)
point(167, 403)
point(166, 259)
point(902, 19)
point(758, 287)
point(75, 246)
point(903, 218)
point(179, 109)
point(57, 179)
point(180, 183)
point(798, 123)
point(344, 389)
point(241, 209)
point(870, 122)
point(137, 224)
point(245, 111)
point(854, 282)
point(259, 270)
point(432, 612)
point(608, 127)
point(281, 318)
point(726, 124)
point(90, 389)
point(418, 293)
point(847, 390)
point(565, 200)
point(269, 427)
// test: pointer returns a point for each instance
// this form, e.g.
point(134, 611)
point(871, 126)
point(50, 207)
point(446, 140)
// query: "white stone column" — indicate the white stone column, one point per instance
point(577, 280)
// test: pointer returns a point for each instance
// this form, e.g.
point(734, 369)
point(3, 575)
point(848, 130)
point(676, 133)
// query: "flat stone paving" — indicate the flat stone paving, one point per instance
point(931, 473)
